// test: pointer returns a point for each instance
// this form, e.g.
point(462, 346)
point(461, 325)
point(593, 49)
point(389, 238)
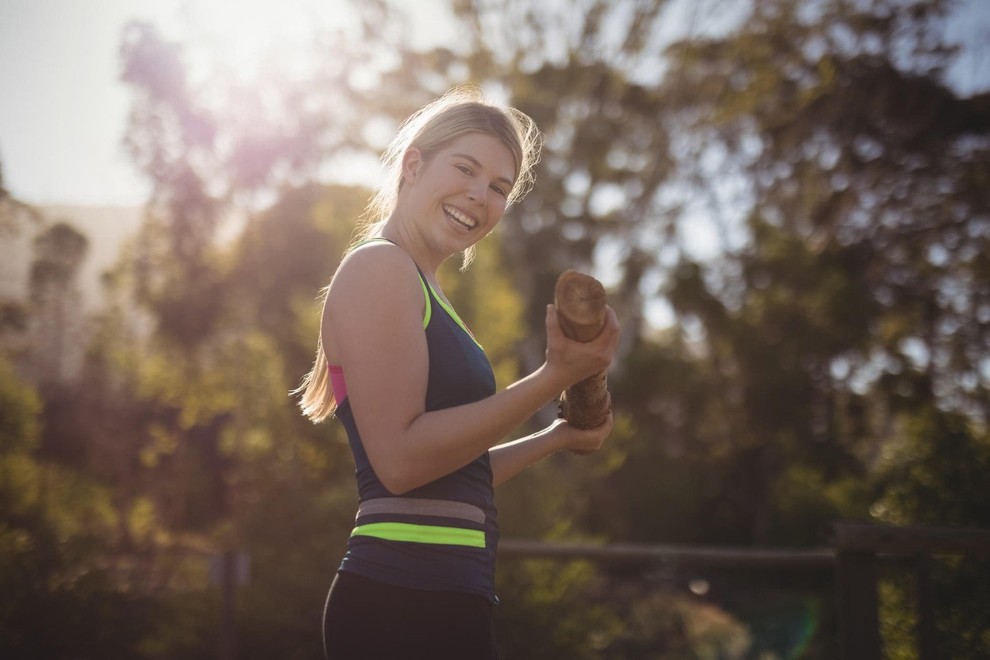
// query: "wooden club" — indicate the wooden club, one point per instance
point(580, 301)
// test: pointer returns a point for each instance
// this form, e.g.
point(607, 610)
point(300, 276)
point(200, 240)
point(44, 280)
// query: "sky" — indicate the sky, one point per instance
point(64, 110)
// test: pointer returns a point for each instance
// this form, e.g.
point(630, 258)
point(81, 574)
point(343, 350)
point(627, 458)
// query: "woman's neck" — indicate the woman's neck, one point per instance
point(414, 245)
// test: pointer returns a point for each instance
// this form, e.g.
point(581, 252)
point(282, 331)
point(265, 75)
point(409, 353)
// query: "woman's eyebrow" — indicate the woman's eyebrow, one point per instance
point(474, 161)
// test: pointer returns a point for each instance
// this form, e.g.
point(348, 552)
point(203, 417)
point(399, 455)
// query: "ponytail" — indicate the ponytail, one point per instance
point(317, 401)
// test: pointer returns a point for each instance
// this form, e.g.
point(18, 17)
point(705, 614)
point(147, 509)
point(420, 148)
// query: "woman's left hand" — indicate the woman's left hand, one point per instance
point(581, 441)
point(512, 458)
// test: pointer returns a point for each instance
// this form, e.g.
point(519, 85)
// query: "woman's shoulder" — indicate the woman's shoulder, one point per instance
point(374, 297)
point(374, 268)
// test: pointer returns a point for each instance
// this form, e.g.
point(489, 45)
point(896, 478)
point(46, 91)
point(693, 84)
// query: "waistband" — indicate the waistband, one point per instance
point(420, 533)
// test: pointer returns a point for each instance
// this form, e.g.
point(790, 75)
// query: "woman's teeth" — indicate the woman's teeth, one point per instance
point(464, 220)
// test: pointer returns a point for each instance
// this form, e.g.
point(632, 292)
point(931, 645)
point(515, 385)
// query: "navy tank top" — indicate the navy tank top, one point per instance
point(443, 535)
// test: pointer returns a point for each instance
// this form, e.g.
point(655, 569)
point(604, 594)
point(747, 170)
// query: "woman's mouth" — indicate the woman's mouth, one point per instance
point(461, 218)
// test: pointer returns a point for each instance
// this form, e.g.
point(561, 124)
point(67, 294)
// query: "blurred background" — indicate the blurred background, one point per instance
point(788, 201)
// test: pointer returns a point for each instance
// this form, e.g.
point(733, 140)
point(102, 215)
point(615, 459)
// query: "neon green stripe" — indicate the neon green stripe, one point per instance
point(453, 315)
point(428, 313)
point(392, 531)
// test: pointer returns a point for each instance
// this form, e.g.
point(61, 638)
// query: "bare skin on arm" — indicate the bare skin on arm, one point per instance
point(373, 329)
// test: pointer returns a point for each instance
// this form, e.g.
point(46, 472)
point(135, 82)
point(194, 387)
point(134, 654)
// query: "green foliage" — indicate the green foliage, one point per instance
point(551, 611)
point(661, 626)
point(218, 455)
point(850, 284)
point(826, 360)
point(898, 615)
point(19, 413)
point(59, 595)
point(933, 473)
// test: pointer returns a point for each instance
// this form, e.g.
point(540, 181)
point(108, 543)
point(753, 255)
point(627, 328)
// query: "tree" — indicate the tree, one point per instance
point(851, 284)
point(930, 473)
point(810, 300)
point(59, 252)
point(55, 526)
point(848, 295)
point(16, 219)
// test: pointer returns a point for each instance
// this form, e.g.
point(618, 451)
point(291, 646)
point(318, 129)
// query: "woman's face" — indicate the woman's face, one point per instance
point(459, 195)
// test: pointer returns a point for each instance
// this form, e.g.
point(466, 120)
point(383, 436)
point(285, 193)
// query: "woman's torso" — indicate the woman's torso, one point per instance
point(442, 535)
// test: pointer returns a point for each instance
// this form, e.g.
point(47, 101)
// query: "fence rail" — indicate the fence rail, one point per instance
point(854, 553)
point(685, 555)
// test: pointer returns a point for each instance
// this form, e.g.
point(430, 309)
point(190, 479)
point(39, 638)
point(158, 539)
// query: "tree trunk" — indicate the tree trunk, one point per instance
point(580, 301)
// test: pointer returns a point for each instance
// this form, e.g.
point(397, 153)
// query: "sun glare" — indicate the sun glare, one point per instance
point(246, 35)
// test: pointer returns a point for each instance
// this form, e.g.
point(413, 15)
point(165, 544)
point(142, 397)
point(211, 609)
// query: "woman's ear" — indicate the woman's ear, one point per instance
point(412, 162)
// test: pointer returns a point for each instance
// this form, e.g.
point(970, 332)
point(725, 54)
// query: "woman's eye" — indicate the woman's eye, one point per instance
point(500, 190)
point(464, 168)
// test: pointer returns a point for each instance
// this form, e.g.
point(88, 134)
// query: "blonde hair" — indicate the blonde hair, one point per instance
point(460, 111)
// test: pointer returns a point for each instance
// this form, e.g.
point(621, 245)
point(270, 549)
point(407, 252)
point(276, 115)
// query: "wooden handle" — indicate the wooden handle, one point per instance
point(580, 302)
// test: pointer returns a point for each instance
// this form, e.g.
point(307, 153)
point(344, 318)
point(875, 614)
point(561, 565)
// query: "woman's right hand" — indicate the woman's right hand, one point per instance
point(572, 361)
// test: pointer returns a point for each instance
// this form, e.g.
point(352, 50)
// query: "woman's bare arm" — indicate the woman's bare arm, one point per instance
point(510, 459)
point(373, 328)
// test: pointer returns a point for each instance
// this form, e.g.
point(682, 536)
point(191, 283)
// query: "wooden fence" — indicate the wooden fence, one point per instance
point(854, 554)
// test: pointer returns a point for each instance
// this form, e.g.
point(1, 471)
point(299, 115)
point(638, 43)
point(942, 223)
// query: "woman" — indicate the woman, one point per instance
point(417, 396)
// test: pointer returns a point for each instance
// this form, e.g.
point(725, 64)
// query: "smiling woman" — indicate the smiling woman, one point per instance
point(417, 395)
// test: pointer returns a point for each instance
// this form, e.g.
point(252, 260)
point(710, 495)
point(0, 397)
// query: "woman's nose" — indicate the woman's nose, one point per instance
point(478, 192)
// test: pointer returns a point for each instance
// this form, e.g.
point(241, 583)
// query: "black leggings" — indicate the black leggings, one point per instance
point(368, 619)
